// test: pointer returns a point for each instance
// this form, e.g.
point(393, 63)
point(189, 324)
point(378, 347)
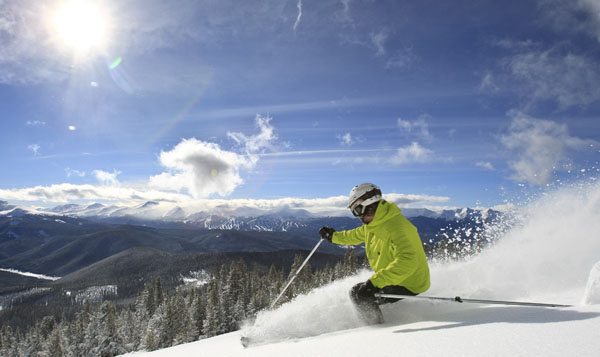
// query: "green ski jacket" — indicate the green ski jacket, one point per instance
point(393, 248)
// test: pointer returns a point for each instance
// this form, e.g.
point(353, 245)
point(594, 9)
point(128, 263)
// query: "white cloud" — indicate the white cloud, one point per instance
point(335, 205)
point(378, 41)
point(36, 123)
point(346, 139)
point(418, 128)
point(412, 153)
point(401, 58)
point(299, 15)
point(65, 192)
point(540, 147)
point(27, 54)
point(201, 168)
point(567, 78)
point(256, 143)
point(486, 165)
point(343, 15)
point(572, 16)
point(72, 127)
point(487, 83)
point(35, 148)
point(70, 172)
point(107, 178)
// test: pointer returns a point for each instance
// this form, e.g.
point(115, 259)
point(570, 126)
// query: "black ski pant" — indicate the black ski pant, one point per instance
point(368, 307)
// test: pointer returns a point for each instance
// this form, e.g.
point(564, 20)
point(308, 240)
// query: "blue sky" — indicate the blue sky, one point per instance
point(462, 103)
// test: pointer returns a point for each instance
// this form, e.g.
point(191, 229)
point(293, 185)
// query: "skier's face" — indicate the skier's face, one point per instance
point(366, 219)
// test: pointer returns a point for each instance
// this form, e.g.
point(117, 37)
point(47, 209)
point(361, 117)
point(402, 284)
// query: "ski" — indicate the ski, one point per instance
point(475, 301)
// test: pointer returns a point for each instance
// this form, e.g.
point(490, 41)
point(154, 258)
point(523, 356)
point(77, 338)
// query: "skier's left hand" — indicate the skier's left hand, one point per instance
point(367, 290)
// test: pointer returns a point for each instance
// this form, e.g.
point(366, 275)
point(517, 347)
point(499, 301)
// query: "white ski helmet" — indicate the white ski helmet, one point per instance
point(363, 195)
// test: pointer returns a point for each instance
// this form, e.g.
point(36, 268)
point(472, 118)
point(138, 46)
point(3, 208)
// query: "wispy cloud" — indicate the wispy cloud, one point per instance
point(378, 42)
point(299, 6)
point(107, 178)
point(540, 147)
point(26, 44)
point(414, 153)
point(544, 74)
point(71, 172)
point(572, 16)
point(567, 78)
point(35, 148)
point(66, 192)
point(401, 58)
point(418, 128)
point(259, 142)
point(343, 15)
point(345, 139)
point(487, 83)
point(35, 123)
point(486, 165)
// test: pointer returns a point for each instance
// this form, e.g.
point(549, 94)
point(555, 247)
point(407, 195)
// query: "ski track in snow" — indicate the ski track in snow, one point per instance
point(551, 254)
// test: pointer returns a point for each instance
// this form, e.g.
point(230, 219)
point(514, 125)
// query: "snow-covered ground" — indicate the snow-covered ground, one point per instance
point(31, 275)
point(550, 254)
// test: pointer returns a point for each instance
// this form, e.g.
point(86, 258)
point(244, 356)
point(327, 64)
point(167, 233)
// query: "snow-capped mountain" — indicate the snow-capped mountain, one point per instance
point(244, 218)
point(430, 222)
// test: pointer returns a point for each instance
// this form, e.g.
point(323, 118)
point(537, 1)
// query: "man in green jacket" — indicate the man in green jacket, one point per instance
point(393, 248)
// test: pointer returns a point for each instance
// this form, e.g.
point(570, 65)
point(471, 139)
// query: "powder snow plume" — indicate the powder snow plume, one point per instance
point(549, 249)
point(545, 253)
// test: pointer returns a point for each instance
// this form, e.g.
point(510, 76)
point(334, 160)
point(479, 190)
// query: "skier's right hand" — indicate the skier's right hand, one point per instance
point(326, 233)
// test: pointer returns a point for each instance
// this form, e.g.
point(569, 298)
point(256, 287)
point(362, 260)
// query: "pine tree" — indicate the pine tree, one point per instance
point(149, 299)
point(212, 321)
point(141, 318)
point(8, 343)
point(302, 283)
point(350, 262)
point(54, 344)
point(158, 291)
point(156, 334)
point(274, 282)
point(198, 315)
point(232, 296)
point(76, 331)
point(180, 321)
point(127, 329)
point(108, 343)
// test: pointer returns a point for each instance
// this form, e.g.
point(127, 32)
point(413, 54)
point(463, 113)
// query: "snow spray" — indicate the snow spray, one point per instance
point(592, 289)
point(546, 253)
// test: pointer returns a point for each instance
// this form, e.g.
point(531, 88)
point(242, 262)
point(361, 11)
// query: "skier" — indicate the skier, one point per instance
point(393, 248)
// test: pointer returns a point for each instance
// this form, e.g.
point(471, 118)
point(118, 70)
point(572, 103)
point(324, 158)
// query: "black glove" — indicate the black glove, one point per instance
point(367, 290)
point(326, 233)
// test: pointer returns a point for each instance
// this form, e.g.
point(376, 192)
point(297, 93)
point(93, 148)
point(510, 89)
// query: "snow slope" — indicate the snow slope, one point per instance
point(550, 253)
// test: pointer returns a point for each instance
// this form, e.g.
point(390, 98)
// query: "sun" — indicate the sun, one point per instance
point(80, 25)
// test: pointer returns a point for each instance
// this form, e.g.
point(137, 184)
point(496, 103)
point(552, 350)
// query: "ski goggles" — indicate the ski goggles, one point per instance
point(359, 207)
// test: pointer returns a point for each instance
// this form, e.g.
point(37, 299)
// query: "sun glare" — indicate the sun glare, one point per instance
point(80, 25)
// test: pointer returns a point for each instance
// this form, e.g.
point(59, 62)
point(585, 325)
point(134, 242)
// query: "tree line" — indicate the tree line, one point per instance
point(159, 319)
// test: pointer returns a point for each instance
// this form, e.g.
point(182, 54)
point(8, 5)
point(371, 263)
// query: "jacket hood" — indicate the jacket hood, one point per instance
point(385, 211)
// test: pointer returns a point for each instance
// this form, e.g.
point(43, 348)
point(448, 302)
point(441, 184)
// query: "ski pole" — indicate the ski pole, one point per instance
point(297, 272)
point(475, 301)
